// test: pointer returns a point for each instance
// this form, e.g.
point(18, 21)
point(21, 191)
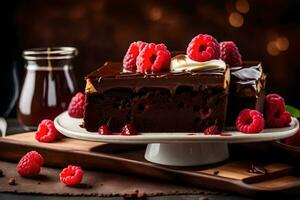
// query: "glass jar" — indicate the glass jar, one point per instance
point(48, 86)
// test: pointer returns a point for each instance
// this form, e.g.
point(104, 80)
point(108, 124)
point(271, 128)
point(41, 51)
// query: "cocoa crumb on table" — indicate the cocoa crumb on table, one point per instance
point(12, 181)
point(216, 172)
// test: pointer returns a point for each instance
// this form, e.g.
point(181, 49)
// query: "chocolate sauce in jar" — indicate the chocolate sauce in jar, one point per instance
point(48, 86)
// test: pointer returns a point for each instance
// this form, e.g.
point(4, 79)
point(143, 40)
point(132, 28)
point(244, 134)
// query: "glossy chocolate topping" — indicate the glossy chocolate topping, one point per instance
point(105, 78)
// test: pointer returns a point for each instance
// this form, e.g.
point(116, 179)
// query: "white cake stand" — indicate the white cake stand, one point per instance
point(176, 149)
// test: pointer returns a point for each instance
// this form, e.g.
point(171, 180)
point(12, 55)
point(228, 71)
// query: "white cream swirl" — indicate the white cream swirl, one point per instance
point(182, 63)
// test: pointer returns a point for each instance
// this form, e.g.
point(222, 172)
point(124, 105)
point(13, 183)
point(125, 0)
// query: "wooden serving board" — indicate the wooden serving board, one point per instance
point(232, 176)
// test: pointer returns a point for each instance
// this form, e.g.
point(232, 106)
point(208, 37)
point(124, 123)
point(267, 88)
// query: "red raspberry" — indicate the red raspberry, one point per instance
point(129, 60)
point(230, 53)
point(104, 130)
point(153, 58)
point(30, 164)
point(128, 129)
point(293, 140)
point(212, 130)
point(203, 48)
point(275, 113)
point(71, 176)
point(76, 106)
point(47, 132)
point(250, 121)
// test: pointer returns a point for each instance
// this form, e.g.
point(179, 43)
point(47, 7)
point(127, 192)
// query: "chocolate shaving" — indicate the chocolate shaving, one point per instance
point(257, 169)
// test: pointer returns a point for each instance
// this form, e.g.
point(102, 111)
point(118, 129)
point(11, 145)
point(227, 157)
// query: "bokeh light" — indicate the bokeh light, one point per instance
point(155, 13)
point(242, 6)
point(236, 19)
point(282, 43)
point(272, 48)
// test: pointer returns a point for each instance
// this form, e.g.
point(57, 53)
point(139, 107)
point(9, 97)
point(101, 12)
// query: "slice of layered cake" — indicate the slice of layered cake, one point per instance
point(247, 89)
point(247, 85)
point(159, 93)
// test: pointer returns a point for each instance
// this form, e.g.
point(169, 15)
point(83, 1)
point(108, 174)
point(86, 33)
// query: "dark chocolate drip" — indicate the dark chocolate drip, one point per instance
point(165, 74)
point(114, 70)
point(111, 76)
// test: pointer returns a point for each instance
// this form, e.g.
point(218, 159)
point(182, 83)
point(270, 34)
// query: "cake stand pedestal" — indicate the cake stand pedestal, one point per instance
point(176, 149)
point(186, 154)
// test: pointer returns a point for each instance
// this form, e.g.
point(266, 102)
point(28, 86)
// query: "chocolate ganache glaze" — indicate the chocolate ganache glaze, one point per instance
point(185, 101)
point(104, 79)
point(247, 89)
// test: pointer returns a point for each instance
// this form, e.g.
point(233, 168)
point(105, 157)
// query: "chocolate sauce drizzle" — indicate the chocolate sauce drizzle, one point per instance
point(256, 169)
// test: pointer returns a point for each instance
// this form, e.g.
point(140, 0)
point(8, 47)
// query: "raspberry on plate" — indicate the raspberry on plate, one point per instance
point(76, 106)
point(46, 131)
point(153, 58)
point(250, 121)
point(128, 129)
point(275, 113)
point(212, 130)
point(129, 60)
point(293, 140)
point(30, 164)
point(230, 53)
point(71, 175)
point(203, 47)
point(104, 130)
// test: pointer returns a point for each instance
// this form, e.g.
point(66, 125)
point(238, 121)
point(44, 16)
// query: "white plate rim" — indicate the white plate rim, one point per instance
point(64, 124)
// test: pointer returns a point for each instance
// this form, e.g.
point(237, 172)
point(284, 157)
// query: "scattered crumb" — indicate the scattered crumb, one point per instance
point(1, 173)
point(39, 183)
point(12, 181)
point(216, 172)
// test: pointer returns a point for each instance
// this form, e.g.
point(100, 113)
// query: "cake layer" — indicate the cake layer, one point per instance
point(164, 102)
point(247, 89)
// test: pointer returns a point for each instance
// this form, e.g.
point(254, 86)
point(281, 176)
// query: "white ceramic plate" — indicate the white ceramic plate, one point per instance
point(70, 127)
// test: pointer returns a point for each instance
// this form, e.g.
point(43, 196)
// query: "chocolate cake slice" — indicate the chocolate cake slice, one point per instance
point(247, 89)
point(170, 101)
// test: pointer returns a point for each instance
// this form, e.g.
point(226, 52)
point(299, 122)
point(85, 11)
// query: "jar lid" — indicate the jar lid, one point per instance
point(50, 53)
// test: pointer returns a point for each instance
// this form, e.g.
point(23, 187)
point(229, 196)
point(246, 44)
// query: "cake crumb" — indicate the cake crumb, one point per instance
point(216, 172)
point(12, 181)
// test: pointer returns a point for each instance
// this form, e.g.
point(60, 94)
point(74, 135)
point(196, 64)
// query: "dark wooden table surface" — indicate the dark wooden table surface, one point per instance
point(14, 128)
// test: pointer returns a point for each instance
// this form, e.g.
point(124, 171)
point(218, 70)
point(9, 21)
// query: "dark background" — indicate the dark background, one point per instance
point(102, 30)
